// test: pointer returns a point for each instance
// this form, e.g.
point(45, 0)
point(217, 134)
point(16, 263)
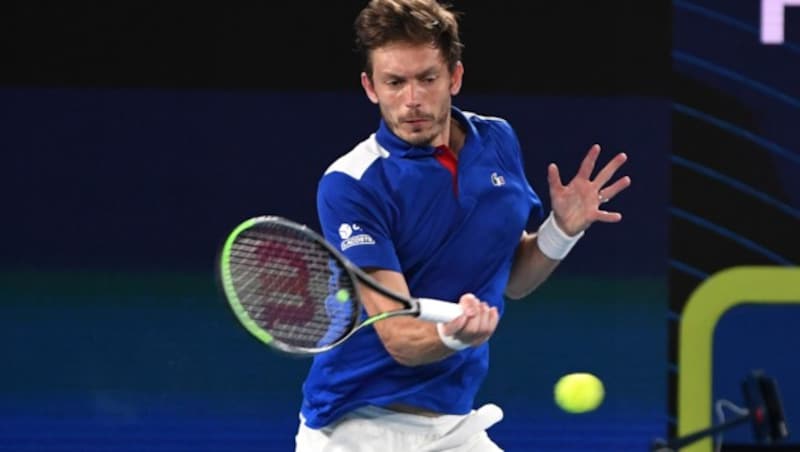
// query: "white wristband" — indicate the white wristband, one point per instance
point(449, 341)
point(554, 242)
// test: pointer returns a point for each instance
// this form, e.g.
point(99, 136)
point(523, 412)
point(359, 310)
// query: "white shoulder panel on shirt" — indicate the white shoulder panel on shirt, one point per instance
point(356, 162)
point(469, 114)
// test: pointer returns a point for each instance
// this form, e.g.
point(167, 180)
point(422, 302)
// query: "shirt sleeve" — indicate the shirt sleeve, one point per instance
point(356, 222)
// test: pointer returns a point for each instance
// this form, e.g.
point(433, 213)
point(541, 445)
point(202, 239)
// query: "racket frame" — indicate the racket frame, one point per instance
point(356, 275)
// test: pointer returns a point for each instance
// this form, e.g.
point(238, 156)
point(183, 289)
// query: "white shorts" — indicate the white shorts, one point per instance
point(374, 429)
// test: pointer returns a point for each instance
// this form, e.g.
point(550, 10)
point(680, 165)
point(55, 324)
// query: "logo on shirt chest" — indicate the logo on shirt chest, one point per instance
point(498, 180)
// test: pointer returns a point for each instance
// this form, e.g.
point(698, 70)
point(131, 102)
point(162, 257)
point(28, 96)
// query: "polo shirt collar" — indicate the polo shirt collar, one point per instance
point(400, 148)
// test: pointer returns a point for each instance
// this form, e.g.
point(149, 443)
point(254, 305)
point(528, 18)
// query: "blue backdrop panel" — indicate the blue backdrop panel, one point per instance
point(116, 339)
point(154, 179)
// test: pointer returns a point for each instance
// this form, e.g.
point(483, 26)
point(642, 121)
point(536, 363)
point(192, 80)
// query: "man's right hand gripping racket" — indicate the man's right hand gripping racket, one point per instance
point(295, 292)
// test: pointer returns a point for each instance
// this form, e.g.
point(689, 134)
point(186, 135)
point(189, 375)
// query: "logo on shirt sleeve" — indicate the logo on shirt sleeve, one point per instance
point(349, 240)
point(345, 231)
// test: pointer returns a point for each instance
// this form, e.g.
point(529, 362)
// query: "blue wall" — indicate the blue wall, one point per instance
point(154, 179)
point(115, 337)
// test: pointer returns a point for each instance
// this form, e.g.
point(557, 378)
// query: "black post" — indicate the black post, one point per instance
point(765, 410)
point(676, 444)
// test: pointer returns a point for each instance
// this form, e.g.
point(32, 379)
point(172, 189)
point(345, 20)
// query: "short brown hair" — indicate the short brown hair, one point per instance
point(415, 21)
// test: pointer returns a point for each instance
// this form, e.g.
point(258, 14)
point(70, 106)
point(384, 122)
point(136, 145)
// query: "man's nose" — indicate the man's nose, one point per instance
point(412, 95)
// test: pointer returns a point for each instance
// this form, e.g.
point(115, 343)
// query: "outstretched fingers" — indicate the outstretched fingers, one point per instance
point(588, 163)
point(554, 177)
point(608, 193)
point(608, 217)
point(605, 174)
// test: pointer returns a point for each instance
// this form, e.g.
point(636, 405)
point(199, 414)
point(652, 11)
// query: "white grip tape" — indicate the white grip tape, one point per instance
point(441, 312)
point(552, 241)
point(432, 310)
point(449, 341)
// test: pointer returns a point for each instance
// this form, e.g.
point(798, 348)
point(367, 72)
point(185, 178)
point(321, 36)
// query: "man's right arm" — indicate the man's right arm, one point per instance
point(343, 200)
point(413, 342)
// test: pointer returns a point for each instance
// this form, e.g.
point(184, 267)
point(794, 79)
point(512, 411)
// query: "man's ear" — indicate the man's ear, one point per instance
point(456, 78)
point(369, 89)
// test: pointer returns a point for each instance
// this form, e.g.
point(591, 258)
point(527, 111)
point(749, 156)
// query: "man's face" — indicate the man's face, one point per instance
point(413, 87)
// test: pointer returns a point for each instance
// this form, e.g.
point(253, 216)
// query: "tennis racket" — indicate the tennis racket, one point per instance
point(295, 292)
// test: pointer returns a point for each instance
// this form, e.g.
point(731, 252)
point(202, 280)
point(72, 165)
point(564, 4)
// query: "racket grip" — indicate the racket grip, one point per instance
point(438, 311)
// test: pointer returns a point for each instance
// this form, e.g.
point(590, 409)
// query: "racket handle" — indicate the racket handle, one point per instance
point(433, 310)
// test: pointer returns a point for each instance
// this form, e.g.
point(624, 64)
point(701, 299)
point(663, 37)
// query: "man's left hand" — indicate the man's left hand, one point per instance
point(579, 203)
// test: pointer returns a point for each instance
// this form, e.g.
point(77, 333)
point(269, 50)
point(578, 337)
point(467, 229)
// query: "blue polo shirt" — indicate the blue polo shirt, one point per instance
point(390, 205)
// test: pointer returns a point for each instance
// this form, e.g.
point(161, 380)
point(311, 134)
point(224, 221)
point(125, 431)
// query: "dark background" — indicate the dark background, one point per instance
point(135, 135)
point(618, 47)
point(735, 190)
point(198, 58)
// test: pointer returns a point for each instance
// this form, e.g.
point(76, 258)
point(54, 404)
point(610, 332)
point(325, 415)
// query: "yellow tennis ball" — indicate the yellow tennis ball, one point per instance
point(342, 295)
point(579, 392)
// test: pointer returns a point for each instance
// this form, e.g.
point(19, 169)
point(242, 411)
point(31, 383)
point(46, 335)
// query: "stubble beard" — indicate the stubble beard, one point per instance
point(439, 122)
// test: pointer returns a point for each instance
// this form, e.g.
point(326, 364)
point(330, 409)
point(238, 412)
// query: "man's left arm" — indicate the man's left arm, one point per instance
point(576, 206)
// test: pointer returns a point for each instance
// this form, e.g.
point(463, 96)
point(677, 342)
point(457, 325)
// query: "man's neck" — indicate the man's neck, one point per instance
point(457, 136)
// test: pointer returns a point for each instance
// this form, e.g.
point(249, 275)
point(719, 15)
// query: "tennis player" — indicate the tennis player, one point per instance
point(433, 204)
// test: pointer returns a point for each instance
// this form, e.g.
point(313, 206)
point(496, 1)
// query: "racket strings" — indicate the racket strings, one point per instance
point(292, 287)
